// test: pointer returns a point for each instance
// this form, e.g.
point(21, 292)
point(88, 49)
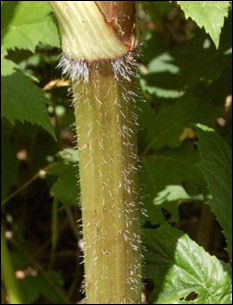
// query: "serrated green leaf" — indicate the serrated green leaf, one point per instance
point(26, 24)
point(66, 188)
point(180, 269)
point(24, 101)
point(170, 167)
point(216, 166)
point(207, 14)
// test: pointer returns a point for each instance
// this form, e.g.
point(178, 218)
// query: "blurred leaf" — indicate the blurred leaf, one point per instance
point(166, 127)
point(49, 293)
point(171, 73)
point(163, 63)
point(35, 287)
point(216, 166)
point(31, 288)
point(177, 89)
point(24, 101)
point(25, 24)
point(183, 272)
point(66, 188)
point(211, 61)
point(19, 260)
point(169, 199)
point(170, 167)
point(156, 88)
point(9, 165)
point(207, 14)
point(171, 193)
point(162, 6)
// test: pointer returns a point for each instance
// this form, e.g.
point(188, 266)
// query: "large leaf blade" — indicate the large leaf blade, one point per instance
point(216, 166)
point(181, 269)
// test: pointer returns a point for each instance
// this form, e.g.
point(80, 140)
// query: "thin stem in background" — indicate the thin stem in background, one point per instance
point(8, 274)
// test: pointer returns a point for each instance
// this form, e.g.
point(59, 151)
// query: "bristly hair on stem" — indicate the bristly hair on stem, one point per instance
point(78, 70)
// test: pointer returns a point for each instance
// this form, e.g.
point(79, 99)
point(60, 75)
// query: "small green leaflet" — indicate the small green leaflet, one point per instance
point(23, 101)
point(170, 198)
point(207, 14)
point(172, 193)
point(181, 269)
point(216, 166)
point(26, 24)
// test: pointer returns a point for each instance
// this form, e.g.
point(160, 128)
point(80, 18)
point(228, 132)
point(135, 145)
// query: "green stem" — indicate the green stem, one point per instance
point(8, 274)
point(108, 171)
point(99, 41)
point(40, 174)
point(54, 231)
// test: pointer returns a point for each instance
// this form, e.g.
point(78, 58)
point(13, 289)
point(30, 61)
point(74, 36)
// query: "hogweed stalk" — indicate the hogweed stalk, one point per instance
point(100, 56)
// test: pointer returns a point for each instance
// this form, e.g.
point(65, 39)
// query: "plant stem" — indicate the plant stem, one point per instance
point(40, 174)
point(54, 231)
point(8, 274)
point(98, 40)
point(108, 171)
point(206, 228)
point(73, 224)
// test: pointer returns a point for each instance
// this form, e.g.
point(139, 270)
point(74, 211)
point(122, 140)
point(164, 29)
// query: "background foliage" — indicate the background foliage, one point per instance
point(184, 151)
